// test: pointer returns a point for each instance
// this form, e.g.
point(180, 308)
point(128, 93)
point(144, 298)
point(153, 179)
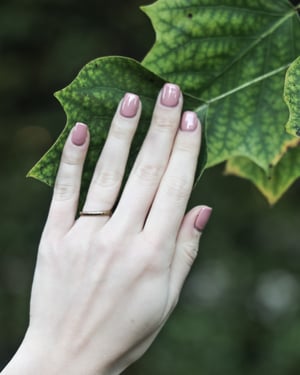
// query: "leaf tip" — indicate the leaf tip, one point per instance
point(56, 94)
point(145, 8)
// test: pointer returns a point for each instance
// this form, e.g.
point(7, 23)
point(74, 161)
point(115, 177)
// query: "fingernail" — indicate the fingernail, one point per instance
point(170, 95)
point(189, 121)
point(202, 218)
point(130, 105)
point(79, 134)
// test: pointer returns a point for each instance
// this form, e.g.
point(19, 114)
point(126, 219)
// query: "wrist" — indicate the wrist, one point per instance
point(27, 360)
point(32, 357)
point(36, 357)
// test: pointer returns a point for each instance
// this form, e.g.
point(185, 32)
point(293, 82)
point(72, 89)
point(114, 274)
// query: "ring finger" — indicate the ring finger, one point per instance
point(109, 171)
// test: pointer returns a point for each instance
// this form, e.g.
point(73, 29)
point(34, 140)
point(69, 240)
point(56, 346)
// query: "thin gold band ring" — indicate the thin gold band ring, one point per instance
point(95, 213)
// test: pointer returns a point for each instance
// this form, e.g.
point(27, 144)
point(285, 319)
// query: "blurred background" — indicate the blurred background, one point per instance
point(239, 312)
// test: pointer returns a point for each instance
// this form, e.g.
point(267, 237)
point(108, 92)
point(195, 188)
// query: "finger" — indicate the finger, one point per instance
point(109, 171)
point(151, 162)
point(64, 203)
point(175, 188)
point(187, 246)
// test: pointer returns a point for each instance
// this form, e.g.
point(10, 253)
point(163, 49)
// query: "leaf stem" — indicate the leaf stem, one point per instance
point(245, 85)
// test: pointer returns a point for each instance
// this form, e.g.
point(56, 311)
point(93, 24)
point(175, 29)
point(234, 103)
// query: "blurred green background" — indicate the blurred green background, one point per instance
point(239, 312)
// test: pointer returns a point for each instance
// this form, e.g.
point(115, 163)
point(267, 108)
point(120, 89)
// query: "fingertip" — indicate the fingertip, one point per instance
point(128, 113)
point(129, 105)
point(79, 134)
point(170, 95)
point(202, 218)
point(189, 121)
point(195, 220)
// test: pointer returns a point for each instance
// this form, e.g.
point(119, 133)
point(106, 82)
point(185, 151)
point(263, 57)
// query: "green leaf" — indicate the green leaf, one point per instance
point(292, 97)
point(92, 98)
point(234, 54)
point(274, 183)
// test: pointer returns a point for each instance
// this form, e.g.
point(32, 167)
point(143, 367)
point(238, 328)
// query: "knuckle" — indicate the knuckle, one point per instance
point(48, 254)
point(154, 259)
point(64, 191)
point(190, 251)
point(110, 239)
point(178, 187)
point(122, 129)
point(70, 161)
point(186, 147)
point(108, 247)
point(164, 122)
point(173, 300)
point(71, 158)
point(149, 172)
point(108, 179)
point(152, 264)
point(154, 244)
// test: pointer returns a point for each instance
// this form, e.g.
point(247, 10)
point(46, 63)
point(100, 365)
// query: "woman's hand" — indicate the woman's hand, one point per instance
point(104, 286)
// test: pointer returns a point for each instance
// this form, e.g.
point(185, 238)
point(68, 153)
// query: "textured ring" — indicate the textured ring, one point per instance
point(95, 213)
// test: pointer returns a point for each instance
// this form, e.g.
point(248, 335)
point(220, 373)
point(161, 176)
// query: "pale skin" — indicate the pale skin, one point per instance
point(104, 286)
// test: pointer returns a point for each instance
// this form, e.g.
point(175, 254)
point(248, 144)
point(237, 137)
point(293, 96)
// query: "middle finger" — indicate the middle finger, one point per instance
point(151, 161)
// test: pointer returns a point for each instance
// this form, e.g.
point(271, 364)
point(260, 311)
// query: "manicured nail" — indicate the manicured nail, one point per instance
point(79, 134)
point(189, 121)
point(202, 218)
point(170, 95)
point(130, 105)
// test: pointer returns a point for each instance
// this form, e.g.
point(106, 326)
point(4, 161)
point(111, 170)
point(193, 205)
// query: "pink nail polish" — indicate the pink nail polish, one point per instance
point(79, 134)
point(202, 218)
point(170, 95)
point(130, 105)
point(189, 121)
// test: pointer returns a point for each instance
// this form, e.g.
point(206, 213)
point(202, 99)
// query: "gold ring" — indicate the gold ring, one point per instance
point(95, 213)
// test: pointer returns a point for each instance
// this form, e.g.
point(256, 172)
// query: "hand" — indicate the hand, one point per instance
point(104, 286)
